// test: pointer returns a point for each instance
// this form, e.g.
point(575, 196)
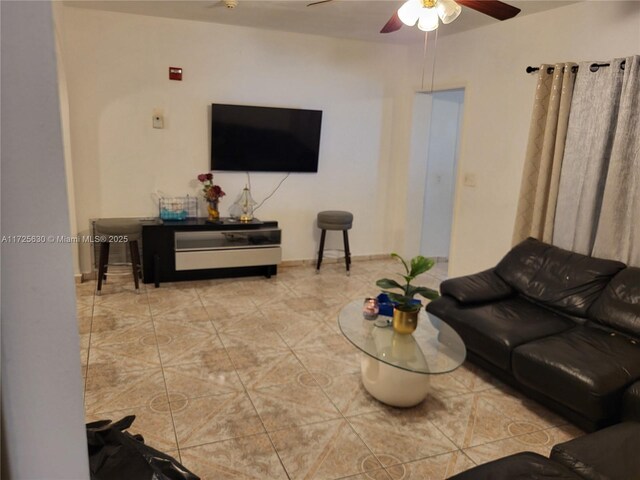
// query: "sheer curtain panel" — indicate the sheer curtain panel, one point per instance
point(618, 231)
point(605, 101)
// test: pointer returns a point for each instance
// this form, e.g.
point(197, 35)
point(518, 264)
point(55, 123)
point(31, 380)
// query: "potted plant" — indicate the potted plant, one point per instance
point(406, 309)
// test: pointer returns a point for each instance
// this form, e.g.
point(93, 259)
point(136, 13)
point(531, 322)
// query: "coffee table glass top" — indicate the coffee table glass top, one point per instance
point(434, 347)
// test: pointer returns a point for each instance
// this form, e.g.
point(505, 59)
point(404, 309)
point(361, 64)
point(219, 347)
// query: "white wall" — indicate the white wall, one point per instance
point(116, 68)
point(43, 434)
point(489, 63)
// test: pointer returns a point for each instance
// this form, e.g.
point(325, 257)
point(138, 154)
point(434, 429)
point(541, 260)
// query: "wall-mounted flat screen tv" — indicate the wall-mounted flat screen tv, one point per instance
point(264, 139)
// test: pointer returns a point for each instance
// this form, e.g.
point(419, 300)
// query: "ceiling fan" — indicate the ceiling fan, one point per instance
point(428, 13)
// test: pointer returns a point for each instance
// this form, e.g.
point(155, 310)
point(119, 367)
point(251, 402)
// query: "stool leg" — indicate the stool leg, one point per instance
point(347, 253)
point(133, 248)
point(136, 251)
point(321, 250)
point(102, 264)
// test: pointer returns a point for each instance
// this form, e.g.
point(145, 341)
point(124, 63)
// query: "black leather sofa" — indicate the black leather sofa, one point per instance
point(609, 454)
point(562, 327)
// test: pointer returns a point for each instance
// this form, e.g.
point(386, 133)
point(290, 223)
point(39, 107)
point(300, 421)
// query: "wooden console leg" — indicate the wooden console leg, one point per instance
point(156, 270)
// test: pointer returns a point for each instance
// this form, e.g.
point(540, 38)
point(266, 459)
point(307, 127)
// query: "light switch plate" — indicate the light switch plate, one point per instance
point(158, 121)
point(469, 179)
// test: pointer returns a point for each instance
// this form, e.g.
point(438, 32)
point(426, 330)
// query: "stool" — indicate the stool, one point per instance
point(131, 229)
point(335, 220)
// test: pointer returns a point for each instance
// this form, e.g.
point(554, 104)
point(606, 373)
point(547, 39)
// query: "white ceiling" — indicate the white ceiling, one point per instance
point(356, 19)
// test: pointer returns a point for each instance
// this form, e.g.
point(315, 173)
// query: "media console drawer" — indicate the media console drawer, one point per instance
point(196, 249)
point(241, 257)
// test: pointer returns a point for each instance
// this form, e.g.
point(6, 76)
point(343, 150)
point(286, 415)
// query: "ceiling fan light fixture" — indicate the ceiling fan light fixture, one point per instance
point(428, 20)
point(410, 12)
point(448, 10)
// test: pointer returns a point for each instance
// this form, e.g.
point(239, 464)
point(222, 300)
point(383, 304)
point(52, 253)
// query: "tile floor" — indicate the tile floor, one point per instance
point(251, 379)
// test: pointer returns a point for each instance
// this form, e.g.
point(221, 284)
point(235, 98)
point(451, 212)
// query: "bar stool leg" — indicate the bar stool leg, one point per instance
point(102, 264)
point(347, 253)
point(133, 249)
point(321, 250)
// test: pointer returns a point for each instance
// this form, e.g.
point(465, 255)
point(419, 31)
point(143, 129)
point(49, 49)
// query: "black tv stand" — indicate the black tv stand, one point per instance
point(196, 249)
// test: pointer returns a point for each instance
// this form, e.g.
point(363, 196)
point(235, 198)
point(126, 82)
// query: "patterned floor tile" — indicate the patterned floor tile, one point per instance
point(200, 345)
point(123, 300)
point(438, 467)
point(475, 419)
point(336, 451)
point(215, 376)
point(347, 393)
point(229, 360)
point(342, 359)
point(299, 403)
point(210, 419)
point(137, 353)
point(266, 369)
point(400, 435)
point(540, 442)
point(109, 389)
point(246, 458)
point(166, 300)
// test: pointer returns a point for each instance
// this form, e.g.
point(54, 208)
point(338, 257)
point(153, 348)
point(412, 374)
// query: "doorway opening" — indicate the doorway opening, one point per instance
point(443, 111)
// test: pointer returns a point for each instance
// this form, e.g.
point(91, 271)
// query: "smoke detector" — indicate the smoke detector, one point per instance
point(231, 3)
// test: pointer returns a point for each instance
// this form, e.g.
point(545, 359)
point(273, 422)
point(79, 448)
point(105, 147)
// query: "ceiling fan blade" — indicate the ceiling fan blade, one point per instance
point(393, 24)
point(319, 2)
point(493, 8)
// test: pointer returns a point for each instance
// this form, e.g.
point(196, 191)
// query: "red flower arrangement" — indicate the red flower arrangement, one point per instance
point(212, 193)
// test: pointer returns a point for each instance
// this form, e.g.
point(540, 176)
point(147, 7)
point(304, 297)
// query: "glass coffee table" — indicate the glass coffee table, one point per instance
point(396, 368)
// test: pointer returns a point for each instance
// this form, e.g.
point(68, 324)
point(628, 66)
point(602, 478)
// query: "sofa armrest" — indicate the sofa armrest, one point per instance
point(481, 287)
point(631, 403)
point(611, 453)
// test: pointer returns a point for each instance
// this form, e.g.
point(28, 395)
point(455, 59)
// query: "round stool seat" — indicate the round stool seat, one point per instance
point(335, 220)
point(131, 228)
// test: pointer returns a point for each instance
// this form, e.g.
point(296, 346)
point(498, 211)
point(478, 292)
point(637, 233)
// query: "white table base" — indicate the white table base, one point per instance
point(391, 385)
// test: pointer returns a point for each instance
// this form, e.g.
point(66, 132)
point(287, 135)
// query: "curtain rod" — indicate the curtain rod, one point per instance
point(593, 67)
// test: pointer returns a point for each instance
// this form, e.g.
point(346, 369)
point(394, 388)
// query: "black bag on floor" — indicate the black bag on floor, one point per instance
point(118, 455)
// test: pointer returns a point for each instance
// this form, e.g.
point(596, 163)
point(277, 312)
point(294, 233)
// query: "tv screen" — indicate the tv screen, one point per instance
point(264, 139)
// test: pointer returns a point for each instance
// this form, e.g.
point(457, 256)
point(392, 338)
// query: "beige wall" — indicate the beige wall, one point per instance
point(116, 69)
point(490, 64)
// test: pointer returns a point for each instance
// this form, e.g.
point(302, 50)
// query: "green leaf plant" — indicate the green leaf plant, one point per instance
point(417, 266)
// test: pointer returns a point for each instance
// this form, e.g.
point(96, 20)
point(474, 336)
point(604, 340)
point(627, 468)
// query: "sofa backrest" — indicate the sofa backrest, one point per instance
point(564, 280)
point(619, 305)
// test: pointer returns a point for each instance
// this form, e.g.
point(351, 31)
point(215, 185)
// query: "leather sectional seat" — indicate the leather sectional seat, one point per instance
point(563, 327)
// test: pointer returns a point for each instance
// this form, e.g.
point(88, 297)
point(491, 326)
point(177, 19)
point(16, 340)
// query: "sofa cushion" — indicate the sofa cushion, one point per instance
point(561, 279)
point(521, 466)
point(482, 287)
point(611, 453)
point(586, 369)
point(631, 403)
point(492, 330)
point(619, 305)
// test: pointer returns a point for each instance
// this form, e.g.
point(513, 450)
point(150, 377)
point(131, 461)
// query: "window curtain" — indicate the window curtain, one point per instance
point(545, 149)
point(618, 231)
point(598, 193)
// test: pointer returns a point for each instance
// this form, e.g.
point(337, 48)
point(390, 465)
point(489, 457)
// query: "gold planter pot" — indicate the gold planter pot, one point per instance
point(405, 322)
